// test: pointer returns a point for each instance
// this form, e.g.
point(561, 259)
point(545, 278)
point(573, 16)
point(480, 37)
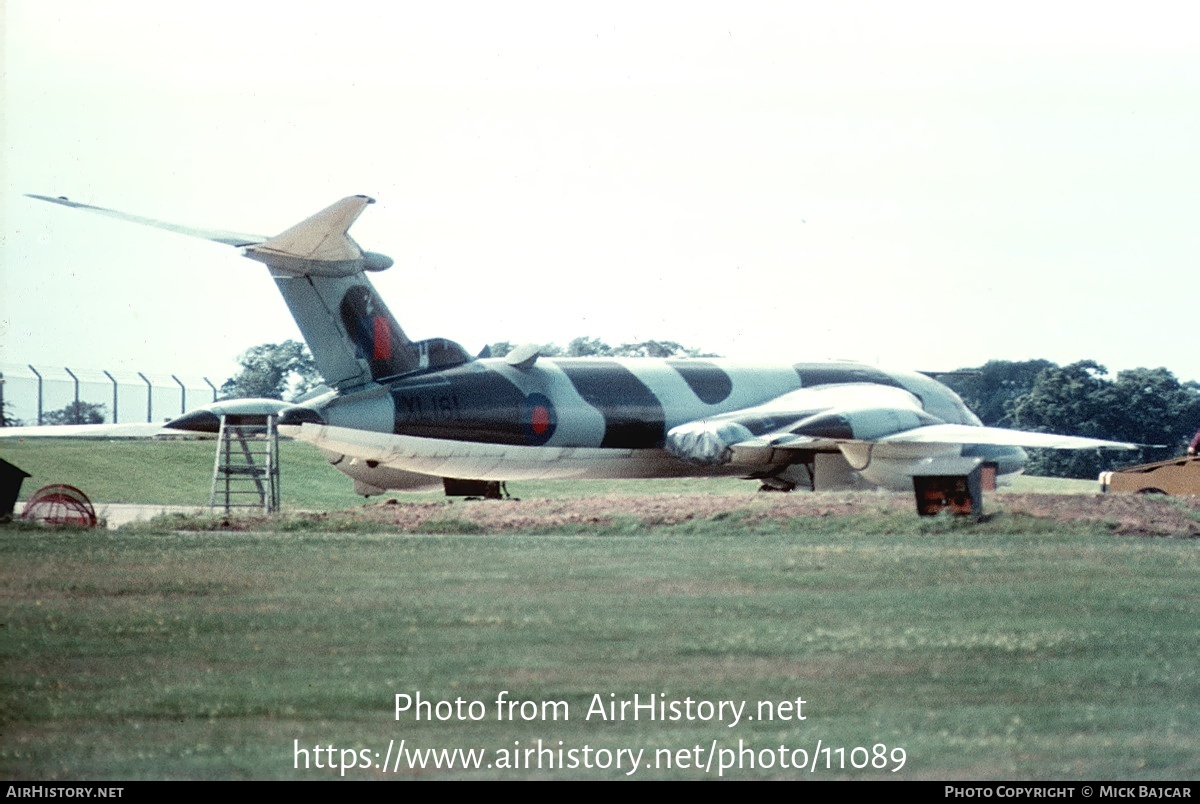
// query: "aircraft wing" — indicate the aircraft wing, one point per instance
point(204, 419)
point(829, 418)
point(963, 434)
point(999, 436)
point(817, 418)
point(132, 430)
point(216, 235)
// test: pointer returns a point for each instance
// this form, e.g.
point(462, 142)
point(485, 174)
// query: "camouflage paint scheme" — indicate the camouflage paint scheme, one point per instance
point(404, 414)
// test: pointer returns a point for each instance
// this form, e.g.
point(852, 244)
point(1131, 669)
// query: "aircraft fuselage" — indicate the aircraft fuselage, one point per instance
point(600, 417)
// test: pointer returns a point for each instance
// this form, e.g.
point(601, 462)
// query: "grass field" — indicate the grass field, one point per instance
point(1012, 650)
point(999, 655)
point(179, 472)
point(173, 472)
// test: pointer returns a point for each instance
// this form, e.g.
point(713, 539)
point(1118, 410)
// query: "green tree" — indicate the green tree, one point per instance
point(588, 347)
point(499, 349)
point(502, 348)
point(1151, 406)
point(651, 349)
point(274, 371)
point(585, 346)
point(659, 349)
point(6, 417)
point(1069, 400)
point(992, 389)
point(76, 413)
point(1142, 406)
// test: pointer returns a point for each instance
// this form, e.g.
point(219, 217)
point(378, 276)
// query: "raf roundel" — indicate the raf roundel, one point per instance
point(538, 419)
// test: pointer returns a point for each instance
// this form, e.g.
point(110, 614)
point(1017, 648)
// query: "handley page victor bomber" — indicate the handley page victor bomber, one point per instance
point(403, 413)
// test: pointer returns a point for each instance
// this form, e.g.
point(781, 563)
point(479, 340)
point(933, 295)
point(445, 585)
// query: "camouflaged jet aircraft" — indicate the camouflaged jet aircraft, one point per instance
point(404, 414)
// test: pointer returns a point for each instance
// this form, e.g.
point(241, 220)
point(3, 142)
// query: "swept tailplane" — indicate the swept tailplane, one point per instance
point(319, 269)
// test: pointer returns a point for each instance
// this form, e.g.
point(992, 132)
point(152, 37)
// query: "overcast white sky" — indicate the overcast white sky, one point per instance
point(917, 184)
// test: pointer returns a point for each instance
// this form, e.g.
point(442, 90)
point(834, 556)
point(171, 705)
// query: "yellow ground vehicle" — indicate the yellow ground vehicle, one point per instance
point(1176, 476)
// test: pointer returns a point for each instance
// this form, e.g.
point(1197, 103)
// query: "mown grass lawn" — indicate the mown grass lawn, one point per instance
point(1001, 655)
point(179, 472)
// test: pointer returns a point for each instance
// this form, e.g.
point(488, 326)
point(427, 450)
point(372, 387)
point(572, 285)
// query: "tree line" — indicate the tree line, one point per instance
point(1141, 405)
point(594, 347)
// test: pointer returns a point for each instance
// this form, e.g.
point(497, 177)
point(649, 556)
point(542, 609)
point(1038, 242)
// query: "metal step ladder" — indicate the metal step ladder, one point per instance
point(246, 469)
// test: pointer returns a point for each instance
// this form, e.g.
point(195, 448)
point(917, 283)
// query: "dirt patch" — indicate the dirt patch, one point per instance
point(1134, 514)
point(1125, 514)
point(613, 509)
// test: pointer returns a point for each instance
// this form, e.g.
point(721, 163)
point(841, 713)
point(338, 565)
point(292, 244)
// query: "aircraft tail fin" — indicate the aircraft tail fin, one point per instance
point(319, 270)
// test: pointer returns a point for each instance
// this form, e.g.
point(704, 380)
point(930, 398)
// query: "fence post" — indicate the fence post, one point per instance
point(76, 379)
point(37, 374)
point(149, 398)
point(213, 387)
point(114, 383)
point(182, 395)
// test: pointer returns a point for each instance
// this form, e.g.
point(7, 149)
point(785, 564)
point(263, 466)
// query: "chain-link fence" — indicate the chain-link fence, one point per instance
point(68, 395)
